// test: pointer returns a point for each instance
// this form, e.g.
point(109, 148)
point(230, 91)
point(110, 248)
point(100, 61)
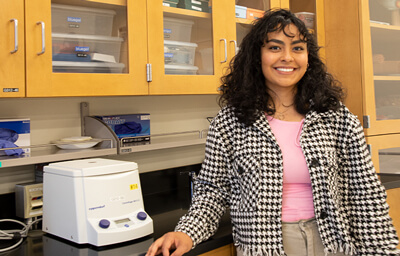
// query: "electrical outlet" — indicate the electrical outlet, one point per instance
point(29, 200)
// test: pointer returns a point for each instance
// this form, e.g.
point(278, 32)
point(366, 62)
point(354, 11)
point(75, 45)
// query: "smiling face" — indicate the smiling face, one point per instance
point(284, 59)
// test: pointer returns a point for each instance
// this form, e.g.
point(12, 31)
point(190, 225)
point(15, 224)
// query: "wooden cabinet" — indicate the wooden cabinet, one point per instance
point(362, 52)
point(12, 50)
point(227, 250)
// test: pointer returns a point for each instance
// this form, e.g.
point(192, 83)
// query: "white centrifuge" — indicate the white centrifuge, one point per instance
point(94, 201)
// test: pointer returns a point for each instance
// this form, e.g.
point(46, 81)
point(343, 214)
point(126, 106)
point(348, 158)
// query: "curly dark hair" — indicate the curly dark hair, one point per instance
point(244, 88)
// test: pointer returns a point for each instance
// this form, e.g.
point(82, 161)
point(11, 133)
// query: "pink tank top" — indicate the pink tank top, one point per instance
point(297, 199)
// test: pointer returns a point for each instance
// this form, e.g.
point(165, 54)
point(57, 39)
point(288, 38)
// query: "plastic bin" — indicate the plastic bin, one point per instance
point(307, 18)
point(180, 70)
point(240, 11)
point(87, 67)
point(81, 20)
point(177, 29)
point(66, 46)
point(179, 53)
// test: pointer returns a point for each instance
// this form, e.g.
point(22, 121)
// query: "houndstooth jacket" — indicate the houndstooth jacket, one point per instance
point(243, 171)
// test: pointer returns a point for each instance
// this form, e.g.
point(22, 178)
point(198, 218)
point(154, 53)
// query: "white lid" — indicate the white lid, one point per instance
point(83, 9)
point(306, 13)
point(87, 64)
point(187, 22)
point(181, 67)
point(168, 42)
point(86, 37)
point(90, 167)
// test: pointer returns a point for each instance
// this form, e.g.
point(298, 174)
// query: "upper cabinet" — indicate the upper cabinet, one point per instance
point(362, 51)
point(12, 49)
point(381, 58)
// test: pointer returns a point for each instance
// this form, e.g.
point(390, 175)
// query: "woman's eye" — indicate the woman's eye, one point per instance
point(274, 48)
point(298, 48)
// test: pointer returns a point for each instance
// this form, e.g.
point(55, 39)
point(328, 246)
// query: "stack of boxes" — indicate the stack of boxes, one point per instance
point(82, 40)
point(179, 52)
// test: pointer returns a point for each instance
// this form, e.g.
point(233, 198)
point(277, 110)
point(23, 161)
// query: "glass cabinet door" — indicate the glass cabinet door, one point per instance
point(86, 48)
point(246, 11)
point(189, 45)
point(383, 76)
point(90, 38)
point(311, 12)
point(385, 153)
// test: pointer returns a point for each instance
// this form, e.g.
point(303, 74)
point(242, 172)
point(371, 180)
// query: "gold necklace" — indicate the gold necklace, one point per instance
point(280, 115)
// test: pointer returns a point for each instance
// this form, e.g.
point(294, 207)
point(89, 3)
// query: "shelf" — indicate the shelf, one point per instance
point(51, 153)
point(386, 78)
point(244, 21)
point(164, 141)
point(384, 26)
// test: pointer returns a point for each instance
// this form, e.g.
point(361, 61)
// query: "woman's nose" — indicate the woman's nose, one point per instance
point(287, 56)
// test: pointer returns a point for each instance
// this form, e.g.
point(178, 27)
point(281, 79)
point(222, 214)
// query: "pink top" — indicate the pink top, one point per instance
point(297, 199)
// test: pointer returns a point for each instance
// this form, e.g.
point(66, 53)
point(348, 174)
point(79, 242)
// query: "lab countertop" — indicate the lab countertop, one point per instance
point(39, 243)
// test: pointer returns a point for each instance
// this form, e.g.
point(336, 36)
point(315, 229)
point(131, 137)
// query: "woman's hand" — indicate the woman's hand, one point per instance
point(179, 241)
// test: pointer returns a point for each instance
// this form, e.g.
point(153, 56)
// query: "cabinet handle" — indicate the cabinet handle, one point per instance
point(43, 37)
point(15, 35)
point(226, 51)
point(235, 44)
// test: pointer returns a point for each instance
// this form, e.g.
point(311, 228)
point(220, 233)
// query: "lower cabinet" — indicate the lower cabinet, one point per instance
point(227, 250)
point(393, 199)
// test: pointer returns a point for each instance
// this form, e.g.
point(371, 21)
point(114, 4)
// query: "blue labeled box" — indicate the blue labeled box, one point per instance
point(129, 126)
point(15, 133)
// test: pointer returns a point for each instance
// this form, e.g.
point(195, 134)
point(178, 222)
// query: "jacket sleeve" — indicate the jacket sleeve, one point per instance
point(372, 228)
point(210, 198)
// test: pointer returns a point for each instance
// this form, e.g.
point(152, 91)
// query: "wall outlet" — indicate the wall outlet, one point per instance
point(29, 200)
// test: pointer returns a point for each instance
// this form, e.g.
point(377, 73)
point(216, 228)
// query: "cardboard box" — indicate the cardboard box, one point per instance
point(132, 125)
point(17, 132)
point(195, 5)
point(253, 14)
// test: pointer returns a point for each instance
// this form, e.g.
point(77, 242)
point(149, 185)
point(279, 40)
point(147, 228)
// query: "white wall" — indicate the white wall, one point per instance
point(55, 118)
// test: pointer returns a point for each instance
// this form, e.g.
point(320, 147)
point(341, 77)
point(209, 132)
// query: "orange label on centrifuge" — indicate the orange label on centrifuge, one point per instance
point(134, 186)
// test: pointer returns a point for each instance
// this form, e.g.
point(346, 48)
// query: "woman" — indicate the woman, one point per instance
point(286, 157)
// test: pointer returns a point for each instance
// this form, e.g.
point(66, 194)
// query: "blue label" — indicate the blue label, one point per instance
point(74, 19)
point(81, 49)
point(168, 55)
point(167, 30)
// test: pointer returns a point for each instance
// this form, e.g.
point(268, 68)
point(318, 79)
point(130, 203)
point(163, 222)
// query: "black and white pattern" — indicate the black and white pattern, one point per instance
point(243, 171)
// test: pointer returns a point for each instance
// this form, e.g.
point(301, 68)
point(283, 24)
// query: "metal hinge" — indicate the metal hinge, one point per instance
point(369, 148)
point(366, 122)
point(149, 73)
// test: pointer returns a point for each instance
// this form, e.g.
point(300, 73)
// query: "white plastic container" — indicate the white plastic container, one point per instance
point(177, 29)
point(81, 20)
point(179, 53)
point(72, 47)
point(87, 67)
point(180, 70)
point(307, 18)
point(240, 11)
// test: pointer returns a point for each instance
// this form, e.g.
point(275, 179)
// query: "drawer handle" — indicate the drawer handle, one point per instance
point(226, 51)
point(235, 44)
point(15, 35)
point(43, 37)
